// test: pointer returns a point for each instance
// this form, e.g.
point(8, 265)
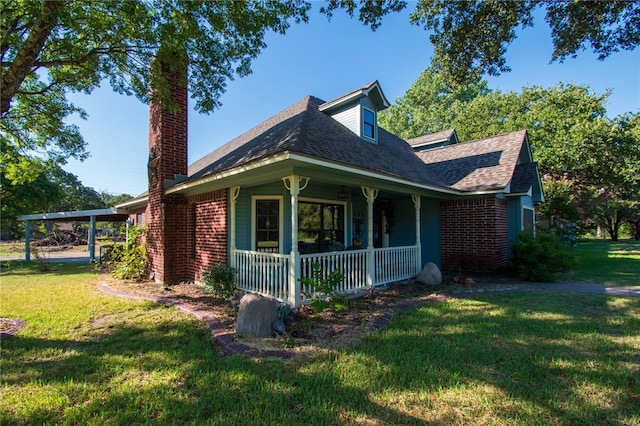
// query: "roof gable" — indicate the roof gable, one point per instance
point(483, 165)
point(434, 140)
point(370, 90)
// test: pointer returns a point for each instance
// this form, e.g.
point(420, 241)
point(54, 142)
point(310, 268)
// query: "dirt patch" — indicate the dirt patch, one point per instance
point(308, 333)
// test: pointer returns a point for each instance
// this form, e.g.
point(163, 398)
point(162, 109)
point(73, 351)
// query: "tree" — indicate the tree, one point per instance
point(51, 47)
point(590, 163)
point(429, 105)
point(46, 188)
point(471, 37)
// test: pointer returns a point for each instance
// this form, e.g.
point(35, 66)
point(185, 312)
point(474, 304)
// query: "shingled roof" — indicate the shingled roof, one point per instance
point(483, 165)
point(303, 129)
point(432, 138)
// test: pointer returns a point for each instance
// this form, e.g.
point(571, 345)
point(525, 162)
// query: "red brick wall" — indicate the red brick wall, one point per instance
point(474, 235)
point(166, 215)
point(208, 232)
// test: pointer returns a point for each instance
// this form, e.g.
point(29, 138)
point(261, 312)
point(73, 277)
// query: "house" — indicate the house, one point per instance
point(322, 182)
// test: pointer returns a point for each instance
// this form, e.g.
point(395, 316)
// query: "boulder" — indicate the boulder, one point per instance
point(256, 314)
point(430, 275)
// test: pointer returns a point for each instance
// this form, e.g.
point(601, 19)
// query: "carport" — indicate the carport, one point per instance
point(112, 214)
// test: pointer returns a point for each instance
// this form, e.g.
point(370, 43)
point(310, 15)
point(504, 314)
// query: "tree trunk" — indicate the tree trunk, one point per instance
point(22, 64)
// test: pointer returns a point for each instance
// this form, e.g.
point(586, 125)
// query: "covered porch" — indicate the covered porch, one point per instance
point(275, 274)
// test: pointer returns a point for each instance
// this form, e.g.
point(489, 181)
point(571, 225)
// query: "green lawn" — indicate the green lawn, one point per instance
point(520, 358)
point(606, 262)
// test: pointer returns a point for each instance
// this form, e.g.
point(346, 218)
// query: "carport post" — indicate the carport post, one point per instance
point(27, 241)
point(92, 238)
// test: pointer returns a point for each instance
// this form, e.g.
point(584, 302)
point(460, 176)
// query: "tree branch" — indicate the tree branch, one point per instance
point(27, 55)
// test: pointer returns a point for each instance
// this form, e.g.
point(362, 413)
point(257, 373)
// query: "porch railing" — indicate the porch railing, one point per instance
point(263, 273)
point(395, 264)
point(351, 264)
point(268, 273)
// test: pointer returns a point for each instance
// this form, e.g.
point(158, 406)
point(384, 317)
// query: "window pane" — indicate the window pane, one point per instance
point(267, 225)
point(528, 220)
point(320, 227)
point(369, 122)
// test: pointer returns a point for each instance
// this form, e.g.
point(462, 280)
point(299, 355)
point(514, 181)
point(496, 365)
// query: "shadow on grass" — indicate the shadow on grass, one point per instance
point(168, 373)
point(20, 267)
point(564, 354)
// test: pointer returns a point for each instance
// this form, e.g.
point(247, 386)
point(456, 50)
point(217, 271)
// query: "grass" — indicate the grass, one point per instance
point(607, 262)
point(519, 358)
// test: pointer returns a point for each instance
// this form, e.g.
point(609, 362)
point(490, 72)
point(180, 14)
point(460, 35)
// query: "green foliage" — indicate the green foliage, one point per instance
point(590, 163)
point(470, 38)
point(50, 48)
point(220, 280)
point(540, 258)
point(325, 290)
point(128, 261)
point(428, 106)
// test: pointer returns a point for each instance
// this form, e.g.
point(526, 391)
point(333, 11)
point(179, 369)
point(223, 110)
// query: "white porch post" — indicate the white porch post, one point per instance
point(292, 183)
point(233, 195)
point(417, 204)
point(370, 194)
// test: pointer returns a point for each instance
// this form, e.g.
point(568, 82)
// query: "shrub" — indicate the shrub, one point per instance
point(220, 280)
point(128, 261)
point(325, 290)
point(540, 258)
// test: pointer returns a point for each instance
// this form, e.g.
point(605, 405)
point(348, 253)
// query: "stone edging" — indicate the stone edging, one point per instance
point(222, 335)
point(16, 325)
point(226, 338)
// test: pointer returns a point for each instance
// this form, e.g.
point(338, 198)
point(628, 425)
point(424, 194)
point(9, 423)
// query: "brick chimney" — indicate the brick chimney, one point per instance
point(166, 214)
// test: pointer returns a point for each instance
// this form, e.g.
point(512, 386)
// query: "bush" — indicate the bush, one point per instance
point(220, 280)
point(540, 258)
point(325, 294)
point(128, 261)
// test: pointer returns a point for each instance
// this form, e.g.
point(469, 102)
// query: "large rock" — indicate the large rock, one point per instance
point(430, 275)
point(255, 315)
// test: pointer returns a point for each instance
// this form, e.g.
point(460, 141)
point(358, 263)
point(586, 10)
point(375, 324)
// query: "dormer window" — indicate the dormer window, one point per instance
point(357, 110)
point(368, 123)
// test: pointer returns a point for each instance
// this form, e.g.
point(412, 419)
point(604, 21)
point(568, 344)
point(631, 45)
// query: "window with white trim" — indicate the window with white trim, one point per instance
point(368, 123)
point(267, 225)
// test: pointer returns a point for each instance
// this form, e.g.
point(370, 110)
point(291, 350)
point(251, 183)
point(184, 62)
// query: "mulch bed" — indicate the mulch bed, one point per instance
point(308, 333)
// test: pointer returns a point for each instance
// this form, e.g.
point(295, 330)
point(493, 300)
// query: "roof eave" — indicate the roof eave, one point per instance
point(236, 171)
point(357, 94)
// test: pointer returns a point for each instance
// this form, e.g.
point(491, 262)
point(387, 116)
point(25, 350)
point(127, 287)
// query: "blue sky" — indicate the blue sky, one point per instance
point(324, 59)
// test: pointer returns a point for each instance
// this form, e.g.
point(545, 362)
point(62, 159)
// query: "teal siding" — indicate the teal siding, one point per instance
point(359, 210)
point(403, 232)
point(515, 207)
point(244, 210)
point(515, 218)
point(314, 192)
point(430, 231)
point(349, 117)
point(243, 220)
